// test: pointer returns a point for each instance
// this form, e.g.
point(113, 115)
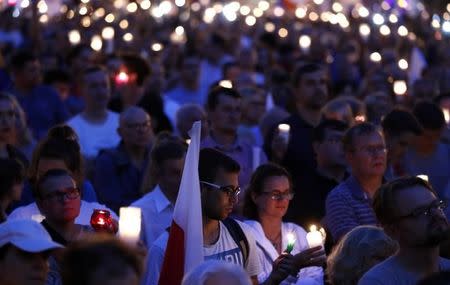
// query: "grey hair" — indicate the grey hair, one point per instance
point(210, 268)
point(355, 253)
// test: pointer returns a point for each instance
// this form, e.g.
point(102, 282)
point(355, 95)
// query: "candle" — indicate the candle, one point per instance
point(446, 115)
point(283, 131)
point(122, 78)
point(423, 177)
point(364, 31)
point(130, 224)
point(360, 118)
point(400, 87)
point(188, 141)
point(315, 237)
point(226, 84)
point(305, 43)
point(291, 241)
point(108, 36)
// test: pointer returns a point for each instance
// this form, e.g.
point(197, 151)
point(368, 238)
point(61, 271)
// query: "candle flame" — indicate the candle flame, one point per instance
point(313, 228)
point(423, 177)
point(284, 127)
point(291, 238)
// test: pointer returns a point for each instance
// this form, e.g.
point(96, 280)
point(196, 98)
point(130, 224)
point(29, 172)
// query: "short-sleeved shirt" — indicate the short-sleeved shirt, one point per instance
point(224, 249)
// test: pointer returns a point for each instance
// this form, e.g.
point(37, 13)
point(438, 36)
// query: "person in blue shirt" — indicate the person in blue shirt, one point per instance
point(41, 103)
point(119, 171)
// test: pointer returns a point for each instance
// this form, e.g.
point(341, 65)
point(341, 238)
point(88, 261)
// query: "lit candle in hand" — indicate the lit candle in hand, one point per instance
point(284, 130)
point(315, 237)
point(446, 115)
point(130, 224)
point(291, 242)
point(423, 177)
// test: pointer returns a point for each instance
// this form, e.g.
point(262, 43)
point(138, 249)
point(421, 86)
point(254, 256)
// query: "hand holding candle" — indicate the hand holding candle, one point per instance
point(315, 237)
point(130, 224)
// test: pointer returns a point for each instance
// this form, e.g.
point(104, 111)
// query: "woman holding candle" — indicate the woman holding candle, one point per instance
point(283, 249)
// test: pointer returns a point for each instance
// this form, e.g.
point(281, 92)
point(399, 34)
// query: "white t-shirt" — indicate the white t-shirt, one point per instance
point(224, 249)
point(94, 137)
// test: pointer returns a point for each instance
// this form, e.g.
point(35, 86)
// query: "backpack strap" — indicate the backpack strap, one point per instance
point(238, 236)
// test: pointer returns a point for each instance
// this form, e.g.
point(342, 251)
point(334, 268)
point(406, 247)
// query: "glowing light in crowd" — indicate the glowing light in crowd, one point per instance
point(403, 64)
point(278, 11)
point(318, 2)
point(300, 12)
point(250, 20)
point(313, 16)
point(96, 43)
point(384, 30)
point(24, 4)
point(402, 31)
point(446, 27)
point(402, 4)
point(128, 37)
point(436, 22)
point(146, 4)
point(245, 10)
point(157, 47)
point(180, 3)
point(119, 4)
point(423, 177)
point(109, 18)
point(283, 33)
point(226, 84)
point(337, 7)
point(86, 21)
point(43, 18)
point(257, 12)
point(42, 7)
point(305, 42)
point(269, 27)
point(393, 18)
point(378, 19)
point(446, 115)
point(385, 6)
point(70, 14)
point(108, 33)
point(375, 57)
point(83, 10)
point(100, 12)
point(123, 24)
point(264, 5)
point(208, 16)
point(85, 1)
point(229, 12)
point(166, 7)
point(132, 7)
point(364, 30)
point(196, 7)
point(400, 87)
point(363, 12)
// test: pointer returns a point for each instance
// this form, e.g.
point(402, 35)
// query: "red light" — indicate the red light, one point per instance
point(101, 221)
point(122, 78)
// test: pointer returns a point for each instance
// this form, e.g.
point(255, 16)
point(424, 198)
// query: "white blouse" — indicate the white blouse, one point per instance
point(267, 254)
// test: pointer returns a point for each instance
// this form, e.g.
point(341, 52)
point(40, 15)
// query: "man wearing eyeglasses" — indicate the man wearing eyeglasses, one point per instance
point(410, 212)
point(220, 190)
point(119, 171)
point(350, 204)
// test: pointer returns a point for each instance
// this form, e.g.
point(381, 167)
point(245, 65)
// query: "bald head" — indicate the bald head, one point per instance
point(187, 115)
point(135, 127)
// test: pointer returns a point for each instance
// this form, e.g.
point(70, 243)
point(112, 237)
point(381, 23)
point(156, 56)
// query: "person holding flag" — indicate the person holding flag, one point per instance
point(201, 228)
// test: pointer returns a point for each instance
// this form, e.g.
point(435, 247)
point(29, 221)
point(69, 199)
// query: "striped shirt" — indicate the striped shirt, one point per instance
point(348, 206)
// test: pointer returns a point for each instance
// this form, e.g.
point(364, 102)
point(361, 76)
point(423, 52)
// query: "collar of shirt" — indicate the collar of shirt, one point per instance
point(210, 142)
point(355, 188)
point(161, 200)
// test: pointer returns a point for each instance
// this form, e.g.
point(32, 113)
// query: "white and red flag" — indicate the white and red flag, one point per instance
point(184, 250)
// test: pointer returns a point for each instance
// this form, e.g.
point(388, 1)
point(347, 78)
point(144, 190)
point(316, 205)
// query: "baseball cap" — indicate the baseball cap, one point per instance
point(27, 235)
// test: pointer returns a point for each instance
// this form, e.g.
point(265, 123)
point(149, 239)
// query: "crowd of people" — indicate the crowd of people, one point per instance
point(333, 114)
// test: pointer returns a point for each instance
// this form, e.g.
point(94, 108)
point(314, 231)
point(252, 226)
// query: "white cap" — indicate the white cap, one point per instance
point(27, 235)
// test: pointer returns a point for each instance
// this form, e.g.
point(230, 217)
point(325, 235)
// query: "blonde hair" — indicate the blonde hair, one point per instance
point(358, 251)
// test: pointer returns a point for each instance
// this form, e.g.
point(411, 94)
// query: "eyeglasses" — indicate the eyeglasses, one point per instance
point(426, 210)
point(69, 193)
point(280, 196)
point(373, 150)
point(230, 190)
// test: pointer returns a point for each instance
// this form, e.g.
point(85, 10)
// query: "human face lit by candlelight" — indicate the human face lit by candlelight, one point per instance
point(273, 200)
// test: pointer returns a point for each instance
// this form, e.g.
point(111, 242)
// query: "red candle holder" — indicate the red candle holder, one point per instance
point(101, 221)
